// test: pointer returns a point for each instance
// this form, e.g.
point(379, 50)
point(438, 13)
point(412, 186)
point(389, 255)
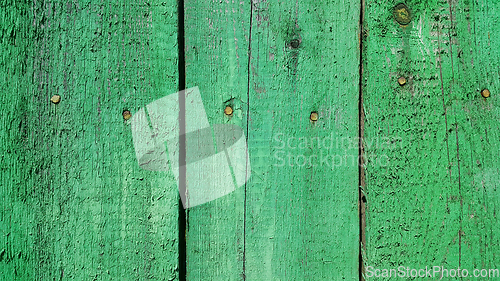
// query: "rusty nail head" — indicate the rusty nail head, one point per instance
point(294, 43)
point(402, 81)
point(55, 99)
point(485, 93)
point(228, 110)
point(402, 14)
point(126, 114)
point(314, 116)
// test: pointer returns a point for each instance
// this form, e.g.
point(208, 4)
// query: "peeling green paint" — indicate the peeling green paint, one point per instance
point(75, 205)
point(436, 201)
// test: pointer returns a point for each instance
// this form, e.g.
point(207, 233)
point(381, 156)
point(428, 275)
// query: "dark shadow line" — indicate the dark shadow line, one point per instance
point(183, 214)
point(248, 122)
point(361, 132)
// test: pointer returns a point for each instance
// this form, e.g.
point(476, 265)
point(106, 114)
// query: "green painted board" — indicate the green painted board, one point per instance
point(74, 203)
point(432, 145)
point(77, 206)
point(275, 62)
point(216, 53)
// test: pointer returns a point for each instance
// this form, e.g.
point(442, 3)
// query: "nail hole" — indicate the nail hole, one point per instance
point(363, 198)
point(402, 81)
point(55, 99)
point(294, 43)
point(228, 110)
point(126, 114)
point(485, 93)
point(314, 116)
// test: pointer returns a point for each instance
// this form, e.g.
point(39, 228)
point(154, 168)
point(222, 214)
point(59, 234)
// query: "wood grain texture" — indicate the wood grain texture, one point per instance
point(432, 145)
point(276, 62)
point(216, 46)
point(302, 212)
point(75, 204)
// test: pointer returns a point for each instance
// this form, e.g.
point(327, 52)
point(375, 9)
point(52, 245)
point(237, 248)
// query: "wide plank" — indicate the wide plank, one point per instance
point(75, 203)
point(431, 139)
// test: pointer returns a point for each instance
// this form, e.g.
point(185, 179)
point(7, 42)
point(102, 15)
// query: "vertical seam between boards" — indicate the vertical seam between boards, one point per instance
point(246, 137)
point(183, 215)
point(361, 178)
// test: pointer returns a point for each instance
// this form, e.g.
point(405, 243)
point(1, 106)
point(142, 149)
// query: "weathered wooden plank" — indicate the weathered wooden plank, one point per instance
point(216, 46)
point(432, 144)
point(75, 204)
point(291, 221)
point(302, 211)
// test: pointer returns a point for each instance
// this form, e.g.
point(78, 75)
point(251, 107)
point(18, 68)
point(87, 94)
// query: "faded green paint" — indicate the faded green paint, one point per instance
point(302, 211)
point(216, 44)
point(75, 204)
point(433, 199)
point(286, 223)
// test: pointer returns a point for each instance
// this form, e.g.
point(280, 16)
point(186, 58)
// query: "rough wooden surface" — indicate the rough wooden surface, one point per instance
point(74, 203)
point(292, 220)
point(216, 44)
point(434, 199)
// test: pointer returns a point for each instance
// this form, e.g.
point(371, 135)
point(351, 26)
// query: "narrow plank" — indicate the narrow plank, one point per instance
point(288, 222)
point(216, 49)
point(75, 203)
point(475, 67)
point(431, 175)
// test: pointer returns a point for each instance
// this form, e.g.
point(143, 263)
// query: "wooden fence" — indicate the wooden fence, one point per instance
point(417, 82)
